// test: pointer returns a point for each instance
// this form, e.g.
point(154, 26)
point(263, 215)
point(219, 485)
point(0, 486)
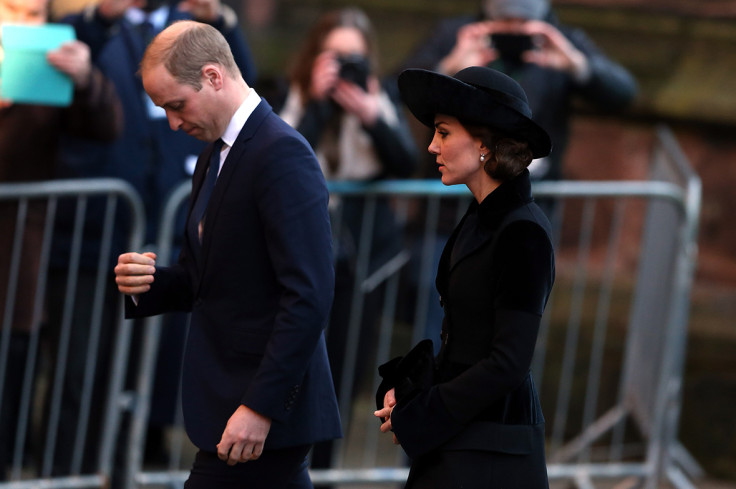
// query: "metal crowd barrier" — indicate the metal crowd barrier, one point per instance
point(610, 356)
point(59, 420)
point(609, 360)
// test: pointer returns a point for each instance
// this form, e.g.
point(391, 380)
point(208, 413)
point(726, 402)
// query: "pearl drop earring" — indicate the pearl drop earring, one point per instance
point(482, 157)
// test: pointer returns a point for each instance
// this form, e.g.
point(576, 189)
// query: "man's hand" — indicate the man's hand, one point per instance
point(72, 58)
point(112, 10)
point(202, 10)
point(389, 401)
point(244, 436)
point(553, 50)
point(134, 272)
point(472, 48)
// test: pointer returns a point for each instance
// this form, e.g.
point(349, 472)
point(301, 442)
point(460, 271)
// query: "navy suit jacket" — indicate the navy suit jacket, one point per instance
point(259, 291)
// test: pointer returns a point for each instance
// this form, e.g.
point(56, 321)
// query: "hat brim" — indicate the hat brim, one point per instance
point(427, 94)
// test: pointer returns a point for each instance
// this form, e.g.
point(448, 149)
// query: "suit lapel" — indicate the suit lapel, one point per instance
point(236, 156)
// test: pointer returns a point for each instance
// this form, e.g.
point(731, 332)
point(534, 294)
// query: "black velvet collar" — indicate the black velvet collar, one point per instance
point(485, 217)
point(506, 197)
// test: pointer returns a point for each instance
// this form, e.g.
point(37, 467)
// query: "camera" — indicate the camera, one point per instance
point(511, 46)
point(355, 68)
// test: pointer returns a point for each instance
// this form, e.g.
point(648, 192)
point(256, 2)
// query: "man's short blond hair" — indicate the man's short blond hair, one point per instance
point(185, 47)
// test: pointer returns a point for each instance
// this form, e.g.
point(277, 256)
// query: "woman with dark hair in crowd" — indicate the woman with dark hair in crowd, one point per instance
point(357, 128)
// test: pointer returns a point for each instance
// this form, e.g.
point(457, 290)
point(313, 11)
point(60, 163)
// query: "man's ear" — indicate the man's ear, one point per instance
point(212, 74)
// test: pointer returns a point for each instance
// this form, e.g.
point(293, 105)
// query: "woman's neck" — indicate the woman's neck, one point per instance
point(482, 187)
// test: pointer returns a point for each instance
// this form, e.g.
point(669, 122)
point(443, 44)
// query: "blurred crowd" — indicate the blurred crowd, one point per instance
point(333, 90)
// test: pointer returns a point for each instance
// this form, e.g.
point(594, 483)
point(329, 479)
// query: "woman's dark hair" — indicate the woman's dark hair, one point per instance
point(301, 69)
point(508, 157)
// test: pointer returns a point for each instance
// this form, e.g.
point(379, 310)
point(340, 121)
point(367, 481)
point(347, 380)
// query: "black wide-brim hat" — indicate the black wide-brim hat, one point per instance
point(477, 95)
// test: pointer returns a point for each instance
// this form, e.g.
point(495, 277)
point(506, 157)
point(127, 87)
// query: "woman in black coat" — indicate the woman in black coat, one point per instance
point(471, 417)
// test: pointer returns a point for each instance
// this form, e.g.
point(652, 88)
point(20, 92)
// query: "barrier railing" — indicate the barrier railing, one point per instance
point(59, 323)
point(626, 252)
point(610, 353)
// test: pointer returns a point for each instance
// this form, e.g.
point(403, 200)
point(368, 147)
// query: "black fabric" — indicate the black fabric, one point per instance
point(275, 469)
point(408, 374)
point(494, 289)
point(477, 94)
point(474, 462)
point(203, 197)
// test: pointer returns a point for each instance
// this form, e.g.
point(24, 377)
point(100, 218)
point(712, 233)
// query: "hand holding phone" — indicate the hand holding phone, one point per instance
point(511, 46)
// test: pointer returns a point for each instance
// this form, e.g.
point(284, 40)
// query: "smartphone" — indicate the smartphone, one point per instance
point(511, 46)
point(355, 68)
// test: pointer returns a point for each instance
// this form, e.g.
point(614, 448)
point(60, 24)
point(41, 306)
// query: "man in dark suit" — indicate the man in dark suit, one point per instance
point(255, 271)
point(147, 155)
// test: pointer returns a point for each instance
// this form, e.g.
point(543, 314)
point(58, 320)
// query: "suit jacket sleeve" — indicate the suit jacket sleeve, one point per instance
point(171, 290)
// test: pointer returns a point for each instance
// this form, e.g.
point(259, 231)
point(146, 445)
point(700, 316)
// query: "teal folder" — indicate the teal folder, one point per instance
point(25, 75)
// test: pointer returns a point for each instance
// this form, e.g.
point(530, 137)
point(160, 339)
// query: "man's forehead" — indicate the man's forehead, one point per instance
point(163, 88)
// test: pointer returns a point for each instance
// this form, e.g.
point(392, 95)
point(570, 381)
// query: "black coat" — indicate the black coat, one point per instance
point(480, 423)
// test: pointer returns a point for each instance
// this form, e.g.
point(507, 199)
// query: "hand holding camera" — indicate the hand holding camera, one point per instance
point(347, 80)
point(553, 50)
point(357, 89)
point(515, 42)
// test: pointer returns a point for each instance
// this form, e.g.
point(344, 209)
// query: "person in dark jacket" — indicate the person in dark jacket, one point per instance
point(473, 419)
point(255, 271)
point(558, 67)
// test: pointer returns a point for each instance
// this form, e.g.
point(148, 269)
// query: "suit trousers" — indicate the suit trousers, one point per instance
point(284, 468)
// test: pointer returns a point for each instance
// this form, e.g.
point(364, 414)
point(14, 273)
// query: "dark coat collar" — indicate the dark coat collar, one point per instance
point(508, 196)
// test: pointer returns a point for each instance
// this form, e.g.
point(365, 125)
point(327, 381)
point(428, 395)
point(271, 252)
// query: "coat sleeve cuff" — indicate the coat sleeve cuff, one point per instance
point(423, 423)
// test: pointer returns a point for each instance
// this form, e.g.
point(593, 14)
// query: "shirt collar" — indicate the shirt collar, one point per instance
point(157, 18)
point(240, 117)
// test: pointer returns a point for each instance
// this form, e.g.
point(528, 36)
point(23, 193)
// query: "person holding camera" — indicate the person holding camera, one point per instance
point(555, 64)
point(336, 101)
point(358, 130)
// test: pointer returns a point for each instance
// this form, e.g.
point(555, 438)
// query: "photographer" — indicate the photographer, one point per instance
point(555, 64)
point(359, 133)
point(336, 101)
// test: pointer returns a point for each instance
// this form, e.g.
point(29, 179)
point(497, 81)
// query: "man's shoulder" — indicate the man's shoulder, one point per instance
point(269, 138)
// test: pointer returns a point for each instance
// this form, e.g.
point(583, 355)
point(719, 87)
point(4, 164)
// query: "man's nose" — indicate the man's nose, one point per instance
point(174, 121)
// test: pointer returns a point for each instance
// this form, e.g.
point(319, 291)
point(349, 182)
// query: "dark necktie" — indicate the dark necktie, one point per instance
point(203, 198)
point(146, 31)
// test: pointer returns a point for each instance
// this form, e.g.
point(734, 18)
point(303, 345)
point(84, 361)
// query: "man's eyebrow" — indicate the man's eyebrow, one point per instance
point(171, 103)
